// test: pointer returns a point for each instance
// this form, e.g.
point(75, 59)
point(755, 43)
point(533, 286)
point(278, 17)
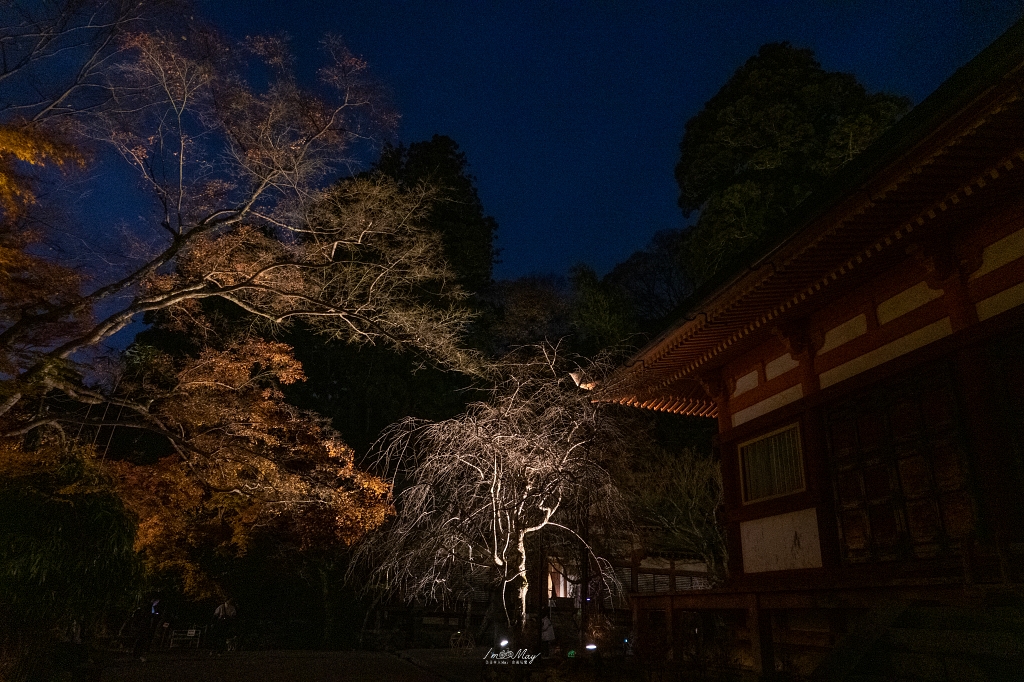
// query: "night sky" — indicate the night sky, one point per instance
point(571, 112)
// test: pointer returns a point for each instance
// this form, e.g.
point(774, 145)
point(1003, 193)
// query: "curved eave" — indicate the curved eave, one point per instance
point(683, 397)
point(965, 138)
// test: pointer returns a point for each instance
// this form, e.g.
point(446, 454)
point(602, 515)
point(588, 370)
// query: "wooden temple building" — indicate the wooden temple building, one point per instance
point(865, 365)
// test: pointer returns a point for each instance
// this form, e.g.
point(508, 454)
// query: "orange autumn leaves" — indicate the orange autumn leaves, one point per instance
point(27, 282)
point(246, 460)
point(21, 146)
point(216, 455)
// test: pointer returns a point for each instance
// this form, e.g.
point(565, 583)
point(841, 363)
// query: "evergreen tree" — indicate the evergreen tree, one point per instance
point(770, 137)
point(364, 389)
point(457, 214)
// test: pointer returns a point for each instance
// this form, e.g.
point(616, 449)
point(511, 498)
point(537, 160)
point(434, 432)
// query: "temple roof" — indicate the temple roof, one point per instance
point(958, 144)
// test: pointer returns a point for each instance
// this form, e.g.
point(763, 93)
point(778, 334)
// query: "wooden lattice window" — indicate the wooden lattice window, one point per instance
point(899, 470)
point(772, 465)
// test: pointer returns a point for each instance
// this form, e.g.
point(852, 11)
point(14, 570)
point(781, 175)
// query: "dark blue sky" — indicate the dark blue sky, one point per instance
point(571, 112)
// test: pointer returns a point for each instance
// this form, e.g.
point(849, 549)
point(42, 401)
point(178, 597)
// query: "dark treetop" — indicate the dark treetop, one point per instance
point(570, 113)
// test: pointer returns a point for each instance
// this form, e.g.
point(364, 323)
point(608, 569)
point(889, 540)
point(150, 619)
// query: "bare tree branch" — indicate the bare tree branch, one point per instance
point(480, 486)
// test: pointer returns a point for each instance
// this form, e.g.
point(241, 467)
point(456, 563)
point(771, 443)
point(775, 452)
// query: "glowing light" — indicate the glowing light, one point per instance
point(591, 646)
point(504, 642)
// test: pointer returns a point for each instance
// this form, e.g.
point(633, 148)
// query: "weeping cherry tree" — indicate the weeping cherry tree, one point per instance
point(475, 490)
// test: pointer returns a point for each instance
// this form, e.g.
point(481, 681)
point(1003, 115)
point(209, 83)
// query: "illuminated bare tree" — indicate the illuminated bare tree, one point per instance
point(238, 214)
point(55, 54)
point(237, 211)
point(480, 486)
point(233, 196)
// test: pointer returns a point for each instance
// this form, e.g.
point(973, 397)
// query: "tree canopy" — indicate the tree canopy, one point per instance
point(67, 551)
point(775, 131)
point(479, 487)
point(364, 388)
point(234, 210)
point(456, 214)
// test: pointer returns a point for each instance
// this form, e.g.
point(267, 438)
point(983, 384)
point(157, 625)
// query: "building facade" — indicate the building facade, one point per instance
point(866, 369)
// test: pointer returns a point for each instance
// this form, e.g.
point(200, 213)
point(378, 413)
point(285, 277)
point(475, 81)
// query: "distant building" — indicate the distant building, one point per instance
point(866, 368)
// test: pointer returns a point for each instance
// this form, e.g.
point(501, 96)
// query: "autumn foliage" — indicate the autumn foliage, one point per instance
point(241, 459)
point(235, 205)
point(28, 282)
point(24, 146)
point(245, 459)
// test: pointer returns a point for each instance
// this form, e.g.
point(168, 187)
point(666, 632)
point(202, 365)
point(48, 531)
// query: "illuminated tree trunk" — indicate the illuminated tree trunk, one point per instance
point(524, 584)
point(477, 485)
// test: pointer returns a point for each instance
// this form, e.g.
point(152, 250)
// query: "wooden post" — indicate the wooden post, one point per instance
point(767, 642)
point(762, 645)
point(802, 346)
point(634, 583)
point(635, 608)
point(669, 635)
point(1000, 513)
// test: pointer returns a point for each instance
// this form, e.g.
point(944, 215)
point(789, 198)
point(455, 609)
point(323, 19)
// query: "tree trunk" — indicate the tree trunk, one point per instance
point(325, 596)
point(585, 574)
point(524, 586)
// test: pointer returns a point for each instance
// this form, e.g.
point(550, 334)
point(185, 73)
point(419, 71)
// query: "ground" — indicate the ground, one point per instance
point(421, 665)
point(267, 666)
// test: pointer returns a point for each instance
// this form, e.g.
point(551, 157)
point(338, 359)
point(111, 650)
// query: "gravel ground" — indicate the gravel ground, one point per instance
point(267, 666)
point(416, 665)
point(451, 666)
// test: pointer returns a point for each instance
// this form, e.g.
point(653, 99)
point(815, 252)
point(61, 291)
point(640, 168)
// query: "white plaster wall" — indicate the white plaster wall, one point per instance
point(1000, 253)
point(782, 542)
point(844, 333)
point(1001, 302)
point(780, 366)
point(776, 401)
point(906, 301)
point(901, 346)
point(655, 562)
point(745, 383)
